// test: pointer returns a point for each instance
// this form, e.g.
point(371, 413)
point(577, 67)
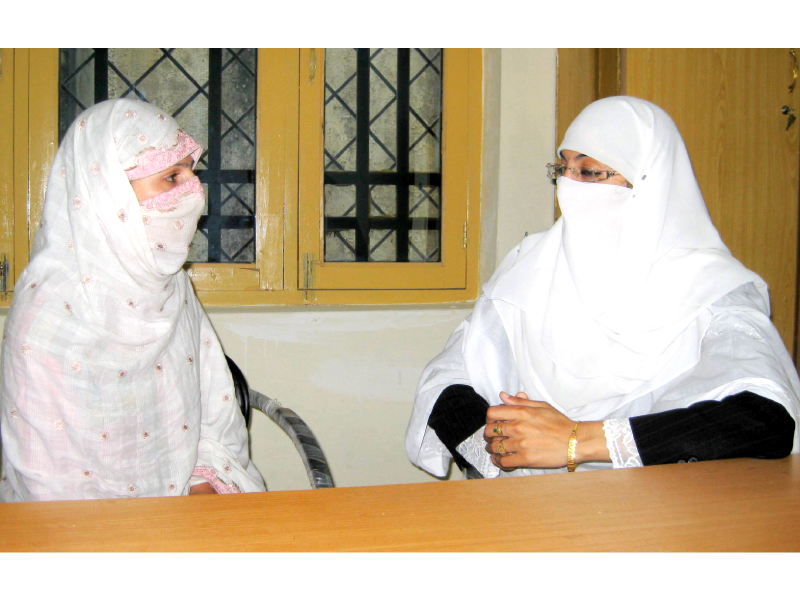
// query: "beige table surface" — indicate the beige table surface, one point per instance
point(742, 504)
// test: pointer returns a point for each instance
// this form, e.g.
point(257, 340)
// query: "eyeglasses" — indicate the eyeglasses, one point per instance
point(585, 175)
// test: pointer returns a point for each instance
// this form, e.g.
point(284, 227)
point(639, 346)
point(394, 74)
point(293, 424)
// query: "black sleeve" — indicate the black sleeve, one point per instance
point(458, 413)
point(743, 425)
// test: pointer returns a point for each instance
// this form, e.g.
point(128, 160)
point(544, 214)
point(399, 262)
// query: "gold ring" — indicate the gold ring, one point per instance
point(498, 429)
point(500, 448)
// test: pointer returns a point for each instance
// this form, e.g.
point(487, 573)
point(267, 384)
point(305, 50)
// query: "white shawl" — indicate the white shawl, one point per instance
point(609, 312)
point(114, 382)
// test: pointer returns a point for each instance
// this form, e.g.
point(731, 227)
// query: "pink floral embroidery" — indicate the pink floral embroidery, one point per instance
point(95, 168)
point(142, 139)
point(153, 161)
point(185, 427)
point(26, 349)
point(227, 468)
point(87, 279)
point(161, 246)
point(226, 398)
point(87, 473)
point(63, 171)
point(177, 224)
point(33, 285)
point(190, 360)
point(145, 219)
point(123, 216)
point(81, 124)
point(130, 114)
point(76, 366)
point(67, 307)
point(210, 475)
point(131, 488)
point(169, 200)
point(71, 245)
point(121, 374)
point(172, 487)
point(145, 435)
point(59, 425)
point(161, 117)
point(14, 414)
point(77, 202)
point(207, 343)
point(104, 435)
point(159, 368)
point(131, 303)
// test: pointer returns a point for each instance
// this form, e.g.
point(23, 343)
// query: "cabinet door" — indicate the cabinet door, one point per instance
point(727, 104)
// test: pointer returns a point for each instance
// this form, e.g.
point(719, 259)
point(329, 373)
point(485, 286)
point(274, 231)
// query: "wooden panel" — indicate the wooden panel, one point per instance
point(727, 104)
point(21, 144)
point(732, 505)
point(7, 160)
point(576, 86)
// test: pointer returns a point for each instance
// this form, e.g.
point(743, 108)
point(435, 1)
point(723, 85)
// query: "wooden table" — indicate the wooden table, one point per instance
point(742, 504)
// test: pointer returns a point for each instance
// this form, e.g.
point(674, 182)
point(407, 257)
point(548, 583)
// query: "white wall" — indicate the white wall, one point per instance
point(351, 372)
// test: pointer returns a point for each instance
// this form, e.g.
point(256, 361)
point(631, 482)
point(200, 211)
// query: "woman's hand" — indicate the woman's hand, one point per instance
point(535, 435)
point(202, 488)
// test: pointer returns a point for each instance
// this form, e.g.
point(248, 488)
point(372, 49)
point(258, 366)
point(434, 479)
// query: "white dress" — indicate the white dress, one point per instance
point(630, 304)
point(114, 383)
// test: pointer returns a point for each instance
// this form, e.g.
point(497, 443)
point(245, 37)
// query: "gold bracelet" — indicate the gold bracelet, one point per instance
point(571, 446)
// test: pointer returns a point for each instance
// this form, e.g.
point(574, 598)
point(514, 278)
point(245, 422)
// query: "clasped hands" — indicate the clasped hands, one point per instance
point(535, 435)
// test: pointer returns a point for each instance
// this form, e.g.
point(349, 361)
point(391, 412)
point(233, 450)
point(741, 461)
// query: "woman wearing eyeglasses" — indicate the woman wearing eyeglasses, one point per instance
point(625, 335)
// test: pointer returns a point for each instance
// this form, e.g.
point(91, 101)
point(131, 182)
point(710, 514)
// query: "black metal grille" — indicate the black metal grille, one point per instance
point(225, 90)
point(365, 217)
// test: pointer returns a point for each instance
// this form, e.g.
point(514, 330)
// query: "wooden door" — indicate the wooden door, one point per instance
point(727, 104)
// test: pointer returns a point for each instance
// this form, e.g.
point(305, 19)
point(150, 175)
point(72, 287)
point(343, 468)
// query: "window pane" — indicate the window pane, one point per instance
point(211, 92)
point(383, 114)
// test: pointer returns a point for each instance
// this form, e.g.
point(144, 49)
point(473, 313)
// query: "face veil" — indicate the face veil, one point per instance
point(619, 287)
point(114, 383)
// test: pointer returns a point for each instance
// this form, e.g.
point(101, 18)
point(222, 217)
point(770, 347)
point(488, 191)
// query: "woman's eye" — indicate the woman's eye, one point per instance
point(172, 177)
point(588, 172)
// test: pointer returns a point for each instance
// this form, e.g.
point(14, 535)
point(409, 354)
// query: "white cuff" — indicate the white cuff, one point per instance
point(620, 443)
point(473, 449)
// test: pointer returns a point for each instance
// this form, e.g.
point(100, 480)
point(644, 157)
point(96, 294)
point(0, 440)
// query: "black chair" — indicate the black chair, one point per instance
point(472, 473)
point(319, 474)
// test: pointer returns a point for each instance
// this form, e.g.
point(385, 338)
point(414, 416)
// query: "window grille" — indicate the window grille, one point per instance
point(382, 174)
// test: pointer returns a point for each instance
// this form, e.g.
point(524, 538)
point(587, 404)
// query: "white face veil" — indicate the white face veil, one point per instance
point(114, 384)
point(617, 289)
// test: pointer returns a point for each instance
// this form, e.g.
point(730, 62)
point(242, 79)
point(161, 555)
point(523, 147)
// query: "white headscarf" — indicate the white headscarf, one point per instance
point(114, 383)
point(619, 287)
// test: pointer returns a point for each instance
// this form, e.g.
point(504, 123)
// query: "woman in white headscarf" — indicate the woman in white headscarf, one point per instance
point(625, 335)
point(114, 383)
